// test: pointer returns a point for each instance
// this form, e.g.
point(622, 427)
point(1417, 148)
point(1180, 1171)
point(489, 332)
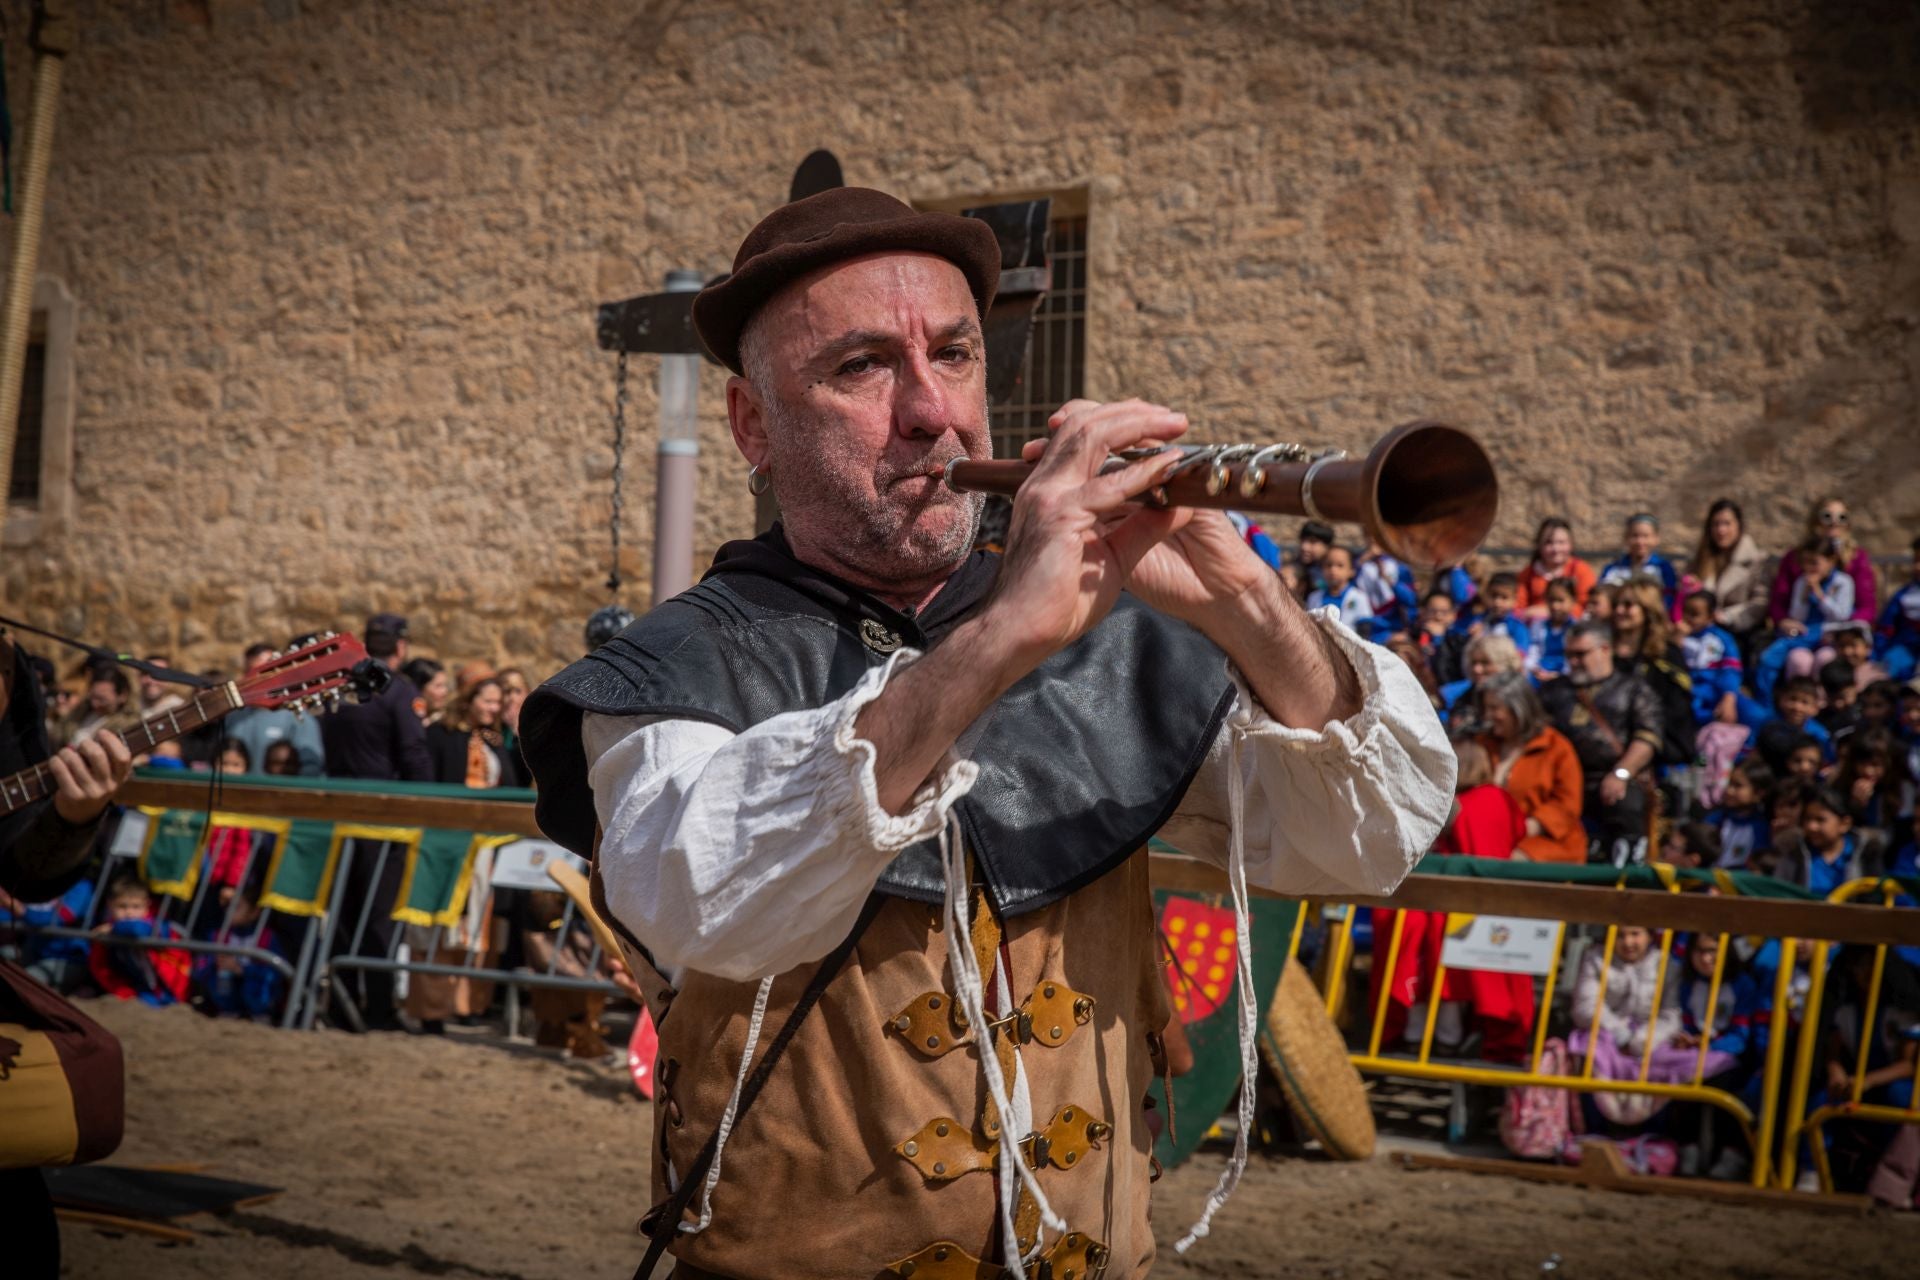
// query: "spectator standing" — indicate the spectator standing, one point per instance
point(1614, 722)
point(258, 728)
point(1538, 767)
point(435, 688)
point(1554, 561)
point(1828, 525)
point(374, 739)
point(1730, 564)
point(380, 738)
point(469, 746)
point(1640, 556)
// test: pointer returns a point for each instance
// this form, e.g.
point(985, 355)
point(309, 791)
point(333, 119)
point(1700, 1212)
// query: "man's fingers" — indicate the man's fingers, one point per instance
point(97, 768)
point(1108, 491)
point(61, 764)
point(1082, 442)
point(119, 755)
point(1141, 532)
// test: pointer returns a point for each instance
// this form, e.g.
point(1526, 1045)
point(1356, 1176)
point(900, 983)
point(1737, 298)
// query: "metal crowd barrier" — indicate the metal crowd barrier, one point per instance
point(1669, 910)
point(1803, 1126)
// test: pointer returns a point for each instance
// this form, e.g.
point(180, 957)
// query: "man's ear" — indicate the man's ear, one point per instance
point(747, 420)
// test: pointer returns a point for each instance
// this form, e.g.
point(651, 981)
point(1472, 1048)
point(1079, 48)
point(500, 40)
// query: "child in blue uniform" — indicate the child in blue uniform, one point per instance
point(1547, 637)
point(1713, 660)
point(1640, 557)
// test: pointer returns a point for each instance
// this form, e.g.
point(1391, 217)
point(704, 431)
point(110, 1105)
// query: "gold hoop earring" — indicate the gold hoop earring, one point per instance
point(758, 481)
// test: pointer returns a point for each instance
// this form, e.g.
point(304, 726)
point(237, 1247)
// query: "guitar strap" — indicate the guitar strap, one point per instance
point(166, 675)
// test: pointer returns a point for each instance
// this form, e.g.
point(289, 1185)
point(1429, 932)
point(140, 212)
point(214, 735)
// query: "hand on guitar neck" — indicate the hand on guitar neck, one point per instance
point(86, 775)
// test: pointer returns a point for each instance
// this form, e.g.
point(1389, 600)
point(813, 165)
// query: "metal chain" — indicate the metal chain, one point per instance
point(619, 459)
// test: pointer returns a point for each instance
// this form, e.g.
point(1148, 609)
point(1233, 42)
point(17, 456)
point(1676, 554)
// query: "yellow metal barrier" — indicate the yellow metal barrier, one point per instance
point(1807, 1125)
point(1422, 1066)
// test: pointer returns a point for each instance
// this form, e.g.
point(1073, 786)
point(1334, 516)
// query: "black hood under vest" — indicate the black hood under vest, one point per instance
point(1080, 762)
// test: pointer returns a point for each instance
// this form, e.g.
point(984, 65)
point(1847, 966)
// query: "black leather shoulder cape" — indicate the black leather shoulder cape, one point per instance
point(1080, 762)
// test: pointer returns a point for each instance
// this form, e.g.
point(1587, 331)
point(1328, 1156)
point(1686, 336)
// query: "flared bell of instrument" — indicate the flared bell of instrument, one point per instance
point(1432, 493)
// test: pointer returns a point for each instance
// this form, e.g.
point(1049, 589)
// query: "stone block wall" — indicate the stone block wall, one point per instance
point(336, 263)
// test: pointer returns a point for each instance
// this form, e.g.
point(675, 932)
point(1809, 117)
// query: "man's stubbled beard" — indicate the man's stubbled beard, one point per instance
point(811, 473)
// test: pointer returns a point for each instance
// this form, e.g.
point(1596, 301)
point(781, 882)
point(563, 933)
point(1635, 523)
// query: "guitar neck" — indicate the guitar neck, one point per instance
point(206, 706)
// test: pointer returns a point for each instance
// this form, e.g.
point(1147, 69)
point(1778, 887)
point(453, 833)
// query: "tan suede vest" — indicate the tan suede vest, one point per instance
point(865, 1155)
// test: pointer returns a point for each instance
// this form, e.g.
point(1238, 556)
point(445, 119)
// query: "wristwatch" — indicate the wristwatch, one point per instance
point(1623, 774)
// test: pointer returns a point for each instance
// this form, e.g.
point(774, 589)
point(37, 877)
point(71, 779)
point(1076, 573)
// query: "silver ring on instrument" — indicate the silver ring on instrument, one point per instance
point(1306, 486)
point(947, 472)
point(1254, 478)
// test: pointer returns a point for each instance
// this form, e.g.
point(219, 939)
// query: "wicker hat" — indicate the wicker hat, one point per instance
point(831, 227)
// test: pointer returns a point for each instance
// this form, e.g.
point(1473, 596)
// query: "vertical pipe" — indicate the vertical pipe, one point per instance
point(677, 474)
point(1779, 1023)
point(1659, 991)
point(1546, 998)
point(1599, 1002)
point(52, 40)
point(1386, 981)
point(1713, 1008)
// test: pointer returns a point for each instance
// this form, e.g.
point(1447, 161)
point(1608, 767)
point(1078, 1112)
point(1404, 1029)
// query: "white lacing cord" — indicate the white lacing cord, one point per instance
point(1243, 945)
point(733, 1107)
point(970, 990)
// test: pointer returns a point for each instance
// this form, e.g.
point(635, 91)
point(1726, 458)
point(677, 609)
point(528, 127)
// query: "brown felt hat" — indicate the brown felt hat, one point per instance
point(831, 227)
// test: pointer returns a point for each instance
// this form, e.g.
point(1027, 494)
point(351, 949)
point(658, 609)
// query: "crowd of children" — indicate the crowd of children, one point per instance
point(1791, 749)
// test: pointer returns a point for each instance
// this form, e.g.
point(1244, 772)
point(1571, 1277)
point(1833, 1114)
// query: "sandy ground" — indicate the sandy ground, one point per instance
point(406, 1156)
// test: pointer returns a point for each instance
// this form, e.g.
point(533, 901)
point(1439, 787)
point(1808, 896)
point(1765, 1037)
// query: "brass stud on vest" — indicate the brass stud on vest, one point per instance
point(933, 1002)
point(1067, 1115)
point(907, 1268)
point(903, 1023)
point(1054, 1034)
point(1098, 1129)
point(939, 1167)
point(933, 1042)
point(1073, 1240)
point(940, 1131)
point(1083, 1008)
point(1072, 1156)
point(1048, 992)
point(940, 1255)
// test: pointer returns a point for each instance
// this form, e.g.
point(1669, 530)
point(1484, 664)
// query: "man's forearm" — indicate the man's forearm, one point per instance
point(1292, 665)
point(927, 705)
point(1637, 756)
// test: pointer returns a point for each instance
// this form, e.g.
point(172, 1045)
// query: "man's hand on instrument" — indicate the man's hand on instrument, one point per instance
point(1073, 541)
point(86, 776)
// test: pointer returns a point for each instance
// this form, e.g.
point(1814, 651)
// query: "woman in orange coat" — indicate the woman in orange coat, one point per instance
point(1537, 766)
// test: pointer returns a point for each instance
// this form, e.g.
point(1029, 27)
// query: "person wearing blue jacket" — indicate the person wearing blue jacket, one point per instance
point(1713, 660)
point(1641, 558)
point(1897, 633)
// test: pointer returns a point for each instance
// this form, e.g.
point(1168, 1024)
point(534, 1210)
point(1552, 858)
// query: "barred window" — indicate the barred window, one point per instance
point(1054, 369)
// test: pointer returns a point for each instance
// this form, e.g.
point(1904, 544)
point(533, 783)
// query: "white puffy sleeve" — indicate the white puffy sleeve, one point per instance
point(743, 855)
point(1347, 808)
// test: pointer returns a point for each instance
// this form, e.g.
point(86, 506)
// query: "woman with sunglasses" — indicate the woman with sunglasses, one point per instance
point(1828, 521)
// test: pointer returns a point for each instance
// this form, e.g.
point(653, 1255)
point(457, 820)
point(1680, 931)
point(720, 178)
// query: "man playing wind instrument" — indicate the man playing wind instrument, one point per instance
point(873, 807)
